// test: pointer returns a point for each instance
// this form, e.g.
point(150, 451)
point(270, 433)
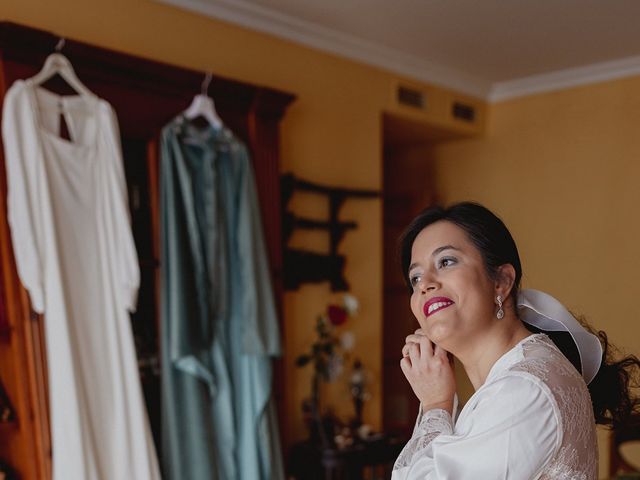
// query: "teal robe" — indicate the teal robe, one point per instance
point(219, 328)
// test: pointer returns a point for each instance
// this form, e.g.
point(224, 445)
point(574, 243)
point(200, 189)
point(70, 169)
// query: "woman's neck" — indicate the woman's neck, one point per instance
point(479, 360)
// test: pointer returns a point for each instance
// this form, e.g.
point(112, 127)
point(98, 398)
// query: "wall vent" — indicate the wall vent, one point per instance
point(464, 112)
point(411, 97)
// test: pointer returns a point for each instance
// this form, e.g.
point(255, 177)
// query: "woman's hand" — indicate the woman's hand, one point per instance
point(429, 372)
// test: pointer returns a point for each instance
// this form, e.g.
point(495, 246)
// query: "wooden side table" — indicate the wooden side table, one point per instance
point(308, 461)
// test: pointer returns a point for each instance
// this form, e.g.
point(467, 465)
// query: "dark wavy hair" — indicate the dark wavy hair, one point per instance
point(612, 388)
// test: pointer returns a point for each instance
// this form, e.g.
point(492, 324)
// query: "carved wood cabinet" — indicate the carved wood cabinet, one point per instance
point(145, 95)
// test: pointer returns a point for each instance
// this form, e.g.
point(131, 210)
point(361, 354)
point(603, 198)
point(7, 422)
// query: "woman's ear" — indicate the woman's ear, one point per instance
point(505, 280)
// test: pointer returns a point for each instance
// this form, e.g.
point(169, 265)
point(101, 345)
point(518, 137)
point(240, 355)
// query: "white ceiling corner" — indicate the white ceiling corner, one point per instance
point(567, 78)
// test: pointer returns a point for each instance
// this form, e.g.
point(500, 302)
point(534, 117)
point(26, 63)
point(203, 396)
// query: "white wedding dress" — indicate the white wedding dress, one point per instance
point(69, 219)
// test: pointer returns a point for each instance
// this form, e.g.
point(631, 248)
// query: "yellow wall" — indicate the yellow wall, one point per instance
point(563, 171)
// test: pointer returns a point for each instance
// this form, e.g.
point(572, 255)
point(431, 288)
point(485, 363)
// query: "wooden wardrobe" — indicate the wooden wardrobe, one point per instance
point(146, 95)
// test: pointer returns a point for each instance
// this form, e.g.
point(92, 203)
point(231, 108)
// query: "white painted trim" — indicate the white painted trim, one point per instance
point(562, 79)
point(256, 17)
point(266, 20)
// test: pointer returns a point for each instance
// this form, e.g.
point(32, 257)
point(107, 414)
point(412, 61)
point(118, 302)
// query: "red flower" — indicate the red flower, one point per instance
point(337, 315)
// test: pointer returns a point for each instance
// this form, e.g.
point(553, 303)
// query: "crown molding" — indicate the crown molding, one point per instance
point(562, 79)
point(266, 20)
point(270, 21)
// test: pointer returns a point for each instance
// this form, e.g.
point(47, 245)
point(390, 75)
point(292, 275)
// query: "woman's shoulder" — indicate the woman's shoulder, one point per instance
point(546, 366)
point(543, 360)
point(536, 367)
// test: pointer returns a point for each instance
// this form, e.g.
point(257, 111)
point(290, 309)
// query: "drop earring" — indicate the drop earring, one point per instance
point(500, 312)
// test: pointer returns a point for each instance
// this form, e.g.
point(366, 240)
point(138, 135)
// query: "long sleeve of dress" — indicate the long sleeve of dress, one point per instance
point(23, 159)
point(261, 331)
point(258, 443)
point(127, 266)
point(511, 431)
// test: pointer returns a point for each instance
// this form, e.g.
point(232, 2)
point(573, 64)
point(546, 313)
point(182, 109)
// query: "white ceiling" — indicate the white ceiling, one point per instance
point(488, 48)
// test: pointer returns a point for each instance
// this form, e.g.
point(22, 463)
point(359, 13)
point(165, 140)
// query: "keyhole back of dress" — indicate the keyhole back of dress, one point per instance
point(58, 85)
point(63, 129)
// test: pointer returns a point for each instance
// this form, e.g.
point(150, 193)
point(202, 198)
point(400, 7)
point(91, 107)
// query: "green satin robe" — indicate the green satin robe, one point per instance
point(218, 322)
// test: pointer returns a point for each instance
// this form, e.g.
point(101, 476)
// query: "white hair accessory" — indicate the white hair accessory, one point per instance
point(546, 313)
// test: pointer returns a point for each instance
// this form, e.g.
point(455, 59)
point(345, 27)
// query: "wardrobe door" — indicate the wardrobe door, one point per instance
point(144, 322)
point(25, 443)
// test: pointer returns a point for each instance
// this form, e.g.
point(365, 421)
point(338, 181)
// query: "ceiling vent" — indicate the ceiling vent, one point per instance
point(463, 112)
point(411, 97)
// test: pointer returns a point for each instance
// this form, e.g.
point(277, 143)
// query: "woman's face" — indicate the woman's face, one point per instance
point(453, 297)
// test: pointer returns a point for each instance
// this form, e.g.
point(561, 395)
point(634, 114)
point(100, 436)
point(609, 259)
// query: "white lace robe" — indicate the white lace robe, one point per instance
point(532, 419)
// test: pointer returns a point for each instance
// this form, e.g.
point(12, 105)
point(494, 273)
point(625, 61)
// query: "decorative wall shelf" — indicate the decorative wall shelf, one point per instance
point(303, 266)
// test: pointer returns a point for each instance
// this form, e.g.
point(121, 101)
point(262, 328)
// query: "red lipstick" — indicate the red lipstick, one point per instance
point(436, 304)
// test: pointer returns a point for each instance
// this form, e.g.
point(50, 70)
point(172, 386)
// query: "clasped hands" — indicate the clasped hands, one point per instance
point(429, 370)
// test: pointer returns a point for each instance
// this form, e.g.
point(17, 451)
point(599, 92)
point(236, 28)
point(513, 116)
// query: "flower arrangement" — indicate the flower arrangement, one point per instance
point(328, 350)
point(327, 354)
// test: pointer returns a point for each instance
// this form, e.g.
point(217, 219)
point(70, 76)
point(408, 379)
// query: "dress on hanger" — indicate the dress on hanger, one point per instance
point(219, 325)
point(69, 219)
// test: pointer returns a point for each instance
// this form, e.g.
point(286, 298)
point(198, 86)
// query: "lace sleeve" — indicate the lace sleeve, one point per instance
point(428, 426)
